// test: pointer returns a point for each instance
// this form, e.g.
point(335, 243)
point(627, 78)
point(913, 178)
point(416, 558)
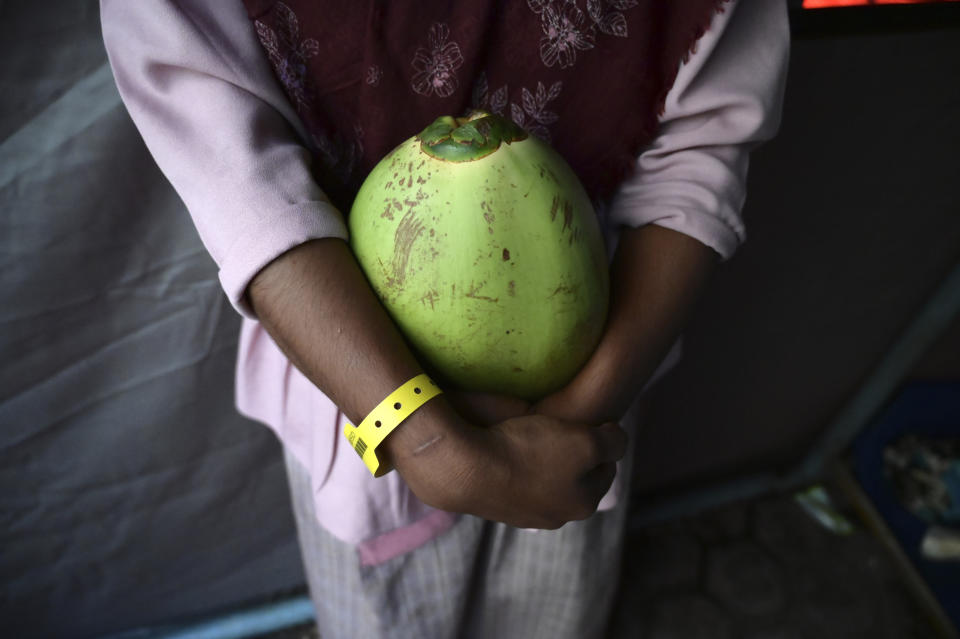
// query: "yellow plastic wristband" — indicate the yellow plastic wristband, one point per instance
point(388, 414)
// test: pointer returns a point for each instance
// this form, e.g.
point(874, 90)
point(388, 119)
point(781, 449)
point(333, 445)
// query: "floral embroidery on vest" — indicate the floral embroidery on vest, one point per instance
point(340, 158)
point(533, 116)
point(374, 73)
point(564, 33)
point(607, 15)
point(531, 113)
point(288, 54)
point(483, 99)
point(436, 65)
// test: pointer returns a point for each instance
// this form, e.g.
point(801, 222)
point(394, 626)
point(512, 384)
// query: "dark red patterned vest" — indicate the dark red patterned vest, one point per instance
point(588, 76)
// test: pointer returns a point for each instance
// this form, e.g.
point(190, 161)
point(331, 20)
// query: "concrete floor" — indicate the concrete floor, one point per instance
point(765, 569)
point(761, 569)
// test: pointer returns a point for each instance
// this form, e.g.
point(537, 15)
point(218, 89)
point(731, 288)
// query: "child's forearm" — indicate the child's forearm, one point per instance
point(656, 277)
point(316, 304)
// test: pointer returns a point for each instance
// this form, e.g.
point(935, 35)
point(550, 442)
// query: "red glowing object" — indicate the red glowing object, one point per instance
point(826, 4)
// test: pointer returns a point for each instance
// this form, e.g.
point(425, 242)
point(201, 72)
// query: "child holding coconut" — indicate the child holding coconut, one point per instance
point(266, 120)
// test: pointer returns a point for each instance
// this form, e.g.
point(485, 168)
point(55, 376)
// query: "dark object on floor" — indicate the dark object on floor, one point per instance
point(930, 412)
point(925, 473)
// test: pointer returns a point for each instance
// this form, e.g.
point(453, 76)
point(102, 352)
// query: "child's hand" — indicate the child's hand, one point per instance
point(566, 404)
point(543, 472)
point(531, 471)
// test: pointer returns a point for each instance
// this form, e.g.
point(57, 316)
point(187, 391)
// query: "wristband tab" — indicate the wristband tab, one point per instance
point(388, 414)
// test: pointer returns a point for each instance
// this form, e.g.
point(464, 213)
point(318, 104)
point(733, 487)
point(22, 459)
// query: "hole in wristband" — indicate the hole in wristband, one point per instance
point(416, 390)
point(397, 405)
point(377, 423)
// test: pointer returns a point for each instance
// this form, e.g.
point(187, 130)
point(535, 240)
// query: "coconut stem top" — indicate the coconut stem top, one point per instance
point(469, 138)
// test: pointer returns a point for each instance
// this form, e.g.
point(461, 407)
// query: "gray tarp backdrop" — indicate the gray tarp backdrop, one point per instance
point(130, 490)
point(132, 494)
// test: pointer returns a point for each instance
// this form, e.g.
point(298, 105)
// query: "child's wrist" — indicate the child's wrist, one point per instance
point(432, 452)
point(428, 428)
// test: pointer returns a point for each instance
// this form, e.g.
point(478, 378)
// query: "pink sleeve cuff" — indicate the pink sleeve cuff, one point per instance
point(270, 236)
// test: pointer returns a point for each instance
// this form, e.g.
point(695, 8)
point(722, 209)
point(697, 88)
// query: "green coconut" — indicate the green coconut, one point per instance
point(485, 250)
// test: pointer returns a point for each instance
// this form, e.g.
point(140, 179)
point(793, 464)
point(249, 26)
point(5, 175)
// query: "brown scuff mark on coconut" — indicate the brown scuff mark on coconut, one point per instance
point(488, 215)
point(431, 297)
point(511, 288)
point(409, 229)
point(554, 207)
point(506, 255)
point(567, 215)
point(547, 171)
point(386, 273)
point(564, 289)
point(387, 213)
point(475, 289)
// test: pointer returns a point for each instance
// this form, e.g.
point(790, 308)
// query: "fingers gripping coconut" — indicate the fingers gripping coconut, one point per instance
point(485, 249)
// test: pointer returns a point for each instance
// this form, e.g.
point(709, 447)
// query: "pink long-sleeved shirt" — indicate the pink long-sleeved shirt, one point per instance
point(198, 86)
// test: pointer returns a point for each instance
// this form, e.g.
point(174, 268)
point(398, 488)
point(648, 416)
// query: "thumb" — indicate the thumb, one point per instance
point(611, 442)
